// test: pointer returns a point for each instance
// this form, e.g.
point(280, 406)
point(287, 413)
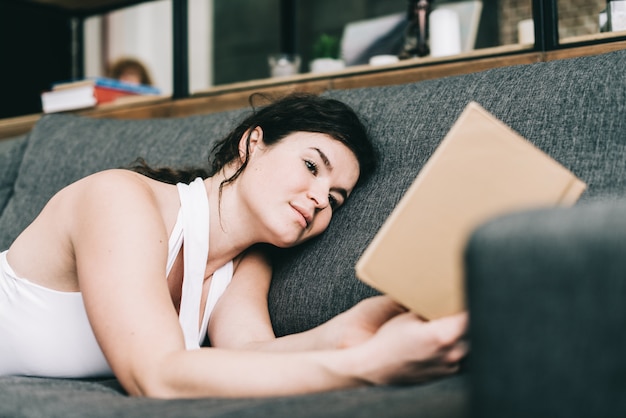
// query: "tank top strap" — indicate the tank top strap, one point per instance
point(220, 280)
point(194, 213)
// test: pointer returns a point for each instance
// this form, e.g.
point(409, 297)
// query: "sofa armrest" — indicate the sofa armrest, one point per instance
point(547, 300)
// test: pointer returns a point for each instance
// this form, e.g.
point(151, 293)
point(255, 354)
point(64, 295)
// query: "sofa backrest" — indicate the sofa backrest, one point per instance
point(11, 153)
point(572, 109)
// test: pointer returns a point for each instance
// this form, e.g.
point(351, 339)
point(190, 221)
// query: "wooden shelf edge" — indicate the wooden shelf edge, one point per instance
point(20, 125)
point(364, 70)
point(135, 108)
point(583, 51)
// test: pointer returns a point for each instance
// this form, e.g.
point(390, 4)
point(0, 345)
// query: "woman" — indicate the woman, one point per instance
point(122, 270)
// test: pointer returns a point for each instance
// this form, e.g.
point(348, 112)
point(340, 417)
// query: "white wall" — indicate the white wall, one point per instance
point(200, 44)
point(144, 31)
point(94, 65)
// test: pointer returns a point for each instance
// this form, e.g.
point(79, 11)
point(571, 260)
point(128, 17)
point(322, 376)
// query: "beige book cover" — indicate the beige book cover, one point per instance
point(481, 169)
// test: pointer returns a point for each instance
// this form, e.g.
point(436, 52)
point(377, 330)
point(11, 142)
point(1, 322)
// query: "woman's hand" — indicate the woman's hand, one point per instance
point(398, 346)
point(407, 349)
point(362, 321)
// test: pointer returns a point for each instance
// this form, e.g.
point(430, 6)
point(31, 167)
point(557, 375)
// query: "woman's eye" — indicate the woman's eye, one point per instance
point(334, 203)
point(311, 166)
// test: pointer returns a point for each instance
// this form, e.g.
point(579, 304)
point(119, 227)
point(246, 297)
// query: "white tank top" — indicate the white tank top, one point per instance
point(45, 332)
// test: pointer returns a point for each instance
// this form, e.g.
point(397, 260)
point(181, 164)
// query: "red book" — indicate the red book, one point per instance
point(87, 93)
point(105, 94)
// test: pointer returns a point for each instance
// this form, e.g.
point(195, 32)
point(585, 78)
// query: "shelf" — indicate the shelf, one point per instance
point(236, 95)
point(594, 38)
point(389, 70)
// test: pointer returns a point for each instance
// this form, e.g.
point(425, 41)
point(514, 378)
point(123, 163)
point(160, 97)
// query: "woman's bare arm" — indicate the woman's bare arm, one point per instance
point(241, 319)
point(120, 246)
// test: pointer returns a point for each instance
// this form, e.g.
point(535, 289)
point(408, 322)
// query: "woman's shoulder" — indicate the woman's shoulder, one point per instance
point(109, 189)
point(113, 184)
point(115, 177)
point(117, 198)
point(107, 201)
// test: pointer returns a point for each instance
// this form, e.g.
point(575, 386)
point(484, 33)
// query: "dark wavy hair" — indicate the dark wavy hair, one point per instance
point(297, 112)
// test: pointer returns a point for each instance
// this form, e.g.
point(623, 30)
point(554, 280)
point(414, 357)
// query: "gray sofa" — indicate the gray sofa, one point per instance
point(546, 288)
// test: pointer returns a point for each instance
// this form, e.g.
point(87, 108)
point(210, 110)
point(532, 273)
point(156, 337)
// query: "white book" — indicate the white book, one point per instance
point(68, 99)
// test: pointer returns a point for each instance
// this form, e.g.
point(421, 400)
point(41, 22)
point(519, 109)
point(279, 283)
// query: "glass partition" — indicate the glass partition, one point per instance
point(587, 20)
point(515, 22)
point(233, 41)
point(144, 32)
point(248, 32)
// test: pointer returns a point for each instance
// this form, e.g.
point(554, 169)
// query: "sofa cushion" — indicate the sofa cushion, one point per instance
point(11, 152)
point(45, 398)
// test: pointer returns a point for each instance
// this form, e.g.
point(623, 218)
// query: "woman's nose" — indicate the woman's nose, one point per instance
point(319, 194)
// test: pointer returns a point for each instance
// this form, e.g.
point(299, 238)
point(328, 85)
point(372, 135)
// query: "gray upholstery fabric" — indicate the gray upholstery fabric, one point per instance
point(11, 152)
point(547, 296)
point(22, 397)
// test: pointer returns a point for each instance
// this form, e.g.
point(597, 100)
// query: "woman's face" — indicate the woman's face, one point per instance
point(293, 186)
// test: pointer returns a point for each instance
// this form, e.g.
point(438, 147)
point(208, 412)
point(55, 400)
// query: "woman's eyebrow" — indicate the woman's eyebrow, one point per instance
point(324, 158)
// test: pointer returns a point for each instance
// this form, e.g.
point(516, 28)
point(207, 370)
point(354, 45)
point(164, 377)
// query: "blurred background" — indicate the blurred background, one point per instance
point(228, 40)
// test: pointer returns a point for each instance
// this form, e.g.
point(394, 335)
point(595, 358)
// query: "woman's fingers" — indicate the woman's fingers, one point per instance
point(415, 351)
point(451, 327)
point(443, 333)
point(457, 352)
point(362, 321)
point(424, 372)
point(440, 332)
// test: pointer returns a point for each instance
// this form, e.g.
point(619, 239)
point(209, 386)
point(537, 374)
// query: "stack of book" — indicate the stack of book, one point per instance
point(90, 92)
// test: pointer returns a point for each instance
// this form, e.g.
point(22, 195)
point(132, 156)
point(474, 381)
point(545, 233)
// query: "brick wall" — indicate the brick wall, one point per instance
point(576, 17)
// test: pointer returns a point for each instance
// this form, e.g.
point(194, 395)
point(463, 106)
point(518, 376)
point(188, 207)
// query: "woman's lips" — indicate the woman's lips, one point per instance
point(305, 217)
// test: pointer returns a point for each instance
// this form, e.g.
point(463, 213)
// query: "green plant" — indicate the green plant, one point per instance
point(326, 46)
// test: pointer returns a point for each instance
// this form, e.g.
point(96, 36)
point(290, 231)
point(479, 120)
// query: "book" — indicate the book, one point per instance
point(81, 94)
point(108, 83)
point(480, 170)
point(69, 99)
